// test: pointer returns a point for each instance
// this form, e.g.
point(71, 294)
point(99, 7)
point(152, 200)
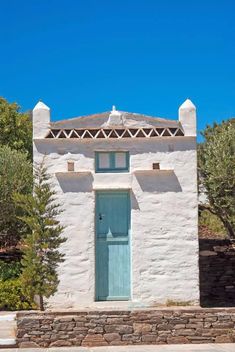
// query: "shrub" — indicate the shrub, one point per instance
point(216, 164)
point(11, 296)
point(9, 270)
point(212, 222)
point(15, 176)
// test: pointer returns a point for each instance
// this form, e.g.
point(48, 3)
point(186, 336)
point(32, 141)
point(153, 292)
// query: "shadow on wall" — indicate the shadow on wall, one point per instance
point(217, 273)
point(73, 183)
point(159, 183)
point(134, 201)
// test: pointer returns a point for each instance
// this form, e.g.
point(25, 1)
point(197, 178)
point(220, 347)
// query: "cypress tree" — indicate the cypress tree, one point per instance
point(40, 247)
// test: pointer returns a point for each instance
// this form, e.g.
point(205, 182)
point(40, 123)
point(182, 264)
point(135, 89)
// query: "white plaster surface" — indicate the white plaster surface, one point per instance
point(163, 217)
point(7, 329)
point(115, 118)
point(187, 117)
point(41, 120)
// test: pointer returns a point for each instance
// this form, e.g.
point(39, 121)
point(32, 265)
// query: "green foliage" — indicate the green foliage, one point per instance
point(41, 256)
point(12, 297)
point(212, 222)
point(15, 176)
point(9, 270)
point(15, 127)
point(216, 160)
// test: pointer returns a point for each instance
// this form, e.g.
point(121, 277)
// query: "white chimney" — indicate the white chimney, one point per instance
point(41, 120)
point(187, 117)
point(115, 118)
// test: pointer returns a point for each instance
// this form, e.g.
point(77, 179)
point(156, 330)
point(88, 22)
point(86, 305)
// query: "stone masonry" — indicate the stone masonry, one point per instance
point(101, 328)
point(217, 273)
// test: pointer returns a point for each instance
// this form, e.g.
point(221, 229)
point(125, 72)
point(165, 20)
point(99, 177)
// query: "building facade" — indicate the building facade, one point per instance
point(128, 186)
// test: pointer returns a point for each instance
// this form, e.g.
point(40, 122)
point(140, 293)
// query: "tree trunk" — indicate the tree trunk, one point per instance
point(230, 230)
point(228, 227)
point(41, 303)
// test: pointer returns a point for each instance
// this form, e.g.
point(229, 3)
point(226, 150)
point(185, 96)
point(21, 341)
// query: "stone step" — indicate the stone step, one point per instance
point(7, 330)
point(7, 343)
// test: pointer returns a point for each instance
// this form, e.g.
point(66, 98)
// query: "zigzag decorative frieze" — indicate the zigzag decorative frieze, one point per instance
point(107, 133)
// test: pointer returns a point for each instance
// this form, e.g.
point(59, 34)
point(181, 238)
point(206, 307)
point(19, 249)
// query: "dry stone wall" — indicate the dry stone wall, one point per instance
point(217, 273)
point(101, 328)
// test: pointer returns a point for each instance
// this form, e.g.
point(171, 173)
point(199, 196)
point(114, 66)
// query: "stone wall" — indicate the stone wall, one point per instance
point(100, 328)
point(217, 273)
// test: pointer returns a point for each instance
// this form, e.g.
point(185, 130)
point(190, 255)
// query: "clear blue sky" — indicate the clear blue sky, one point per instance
point(147, 56)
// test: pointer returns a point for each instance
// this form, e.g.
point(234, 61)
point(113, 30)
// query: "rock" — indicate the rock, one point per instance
point(122, 329)
point(207, 253)
point(63, 319)
point(112, 336)
point(80, 318)
point(28, 344)
point(142, 327)
point(61, 343)
point(94, 340)
point(179, 326)
point(130, 337)
point(81, 329)
point(65, 326)
point(97, 330)
point(223, 339)
point(149, 338)
point(177, 340)
point(220, 248)
point(194, 326)
point(119, 343)
point(223, 325)
point(115, 321)
point(184, 332)
point(165, 326)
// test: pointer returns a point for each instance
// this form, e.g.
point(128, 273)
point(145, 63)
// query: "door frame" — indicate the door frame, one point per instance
point(110, 191)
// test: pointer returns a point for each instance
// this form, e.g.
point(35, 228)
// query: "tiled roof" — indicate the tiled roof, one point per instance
point(130, 125)
point(99, 120)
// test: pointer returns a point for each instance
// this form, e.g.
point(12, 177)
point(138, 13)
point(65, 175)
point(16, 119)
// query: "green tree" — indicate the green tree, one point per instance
point(15, 176)
point(41, 256)
point(216, 161)
point(15, 127)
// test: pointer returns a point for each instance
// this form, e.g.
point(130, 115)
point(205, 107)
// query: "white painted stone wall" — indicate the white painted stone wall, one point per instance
point(164, 240)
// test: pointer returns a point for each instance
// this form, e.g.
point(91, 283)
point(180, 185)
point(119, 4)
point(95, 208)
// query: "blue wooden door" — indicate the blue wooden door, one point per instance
point(112, 245)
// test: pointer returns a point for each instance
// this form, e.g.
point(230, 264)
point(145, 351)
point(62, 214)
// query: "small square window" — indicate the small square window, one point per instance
point(112, 161)
point(70, 165)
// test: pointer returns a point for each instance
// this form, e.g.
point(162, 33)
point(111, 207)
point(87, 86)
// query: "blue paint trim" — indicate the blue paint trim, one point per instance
point(112, 168)
point(109, 240)
point(114, 298)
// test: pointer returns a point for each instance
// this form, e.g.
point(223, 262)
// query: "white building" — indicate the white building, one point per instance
point(128, 186)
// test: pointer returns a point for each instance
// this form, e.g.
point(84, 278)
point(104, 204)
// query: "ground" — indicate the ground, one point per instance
point(229, 347)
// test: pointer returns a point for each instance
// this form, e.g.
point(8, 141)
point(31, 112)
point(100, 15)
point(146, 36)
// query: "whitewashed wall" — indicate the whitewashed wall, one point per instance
point(164, 243)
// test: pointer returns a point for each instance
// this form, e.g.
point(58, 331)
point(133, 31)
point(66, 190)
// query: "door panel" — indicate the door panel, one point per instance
point(112, 246)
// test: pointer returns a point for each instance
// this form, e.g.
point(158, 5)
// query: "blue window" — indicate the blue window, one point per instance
point(112, 161)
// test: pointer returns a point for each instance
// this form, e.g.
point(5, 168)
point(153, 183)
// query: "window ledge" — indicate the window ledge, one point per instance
point(72, 173)
point(153, 171)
